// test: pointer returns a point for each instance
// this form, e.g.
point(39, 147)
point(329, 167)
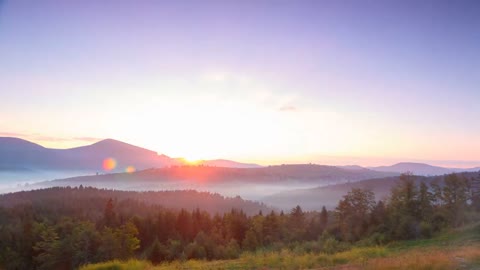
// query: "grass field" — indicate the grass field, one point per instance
point(456, 249)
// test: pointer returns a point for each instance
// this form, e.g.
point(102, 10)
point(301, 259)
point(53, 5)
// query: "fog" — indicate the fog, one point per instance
point(276, 191)
point(11, 181)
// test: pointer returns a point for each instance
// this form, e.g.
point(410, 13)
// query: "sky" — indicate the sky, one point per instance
point(332, 82)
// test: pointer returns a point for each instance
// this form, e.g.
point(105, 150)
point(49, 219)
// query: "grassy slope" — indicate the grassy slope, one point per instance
point(457, 249)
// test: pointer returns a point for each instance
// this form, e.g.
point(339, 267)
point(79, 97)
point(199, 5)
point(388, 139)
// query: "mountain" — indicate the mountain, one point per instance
point(353, 167)
point(328, 196)
point(18, 154)
point(228, 163)
point(21, 155)
point(421, 169)
point(217, 163)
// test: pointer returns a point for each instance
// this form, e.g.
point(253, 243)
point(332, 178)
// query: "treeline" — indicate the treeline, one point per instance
point(49, 235)
point(411, 211)
point(66, 197)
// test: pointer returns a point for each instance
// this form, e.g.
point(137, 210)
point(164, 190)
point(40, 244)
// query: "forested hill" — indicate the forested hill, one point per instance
point(92, 200)
point(315, 198)
point(294, 173)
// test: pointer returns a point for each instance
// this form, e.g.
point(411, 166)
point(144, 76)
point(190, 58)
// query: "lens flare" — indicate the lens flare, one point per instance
point(130, 169)
point(109, 164)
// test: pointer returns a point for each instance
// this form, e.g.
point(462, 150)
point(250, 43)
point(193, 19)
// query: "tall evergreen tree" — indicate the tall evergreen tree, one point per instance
point(323, 219)
point(109, 215)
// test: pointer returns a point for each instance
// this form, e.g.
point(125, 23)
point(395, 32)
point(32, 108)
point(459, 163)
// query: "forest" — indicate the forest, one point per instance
point(65, 228)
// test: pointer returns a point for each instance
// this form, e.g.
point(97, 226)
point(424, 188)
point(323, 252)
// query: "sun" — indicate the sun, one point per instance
point(190, 161)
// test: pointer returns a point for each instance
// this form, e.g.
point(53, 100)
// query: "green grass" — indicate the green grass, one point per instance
point(284, 259)
point(455, 249)
point(118, 265)
point(454, 237)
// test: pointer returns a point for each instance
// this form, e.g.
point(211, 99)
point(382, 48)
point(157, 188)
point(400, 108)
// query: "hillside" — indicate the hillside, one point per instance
point(315, 198)
point(453, 249)
point(227, 163)
point(66, 198)
point(306, 173)
point(20, 154)
point(251, 183)
point(421, 169)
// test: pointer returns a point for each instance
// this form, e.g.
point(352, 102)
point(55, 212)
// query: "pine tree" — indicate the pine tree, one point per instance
point(157, 253)
point(323, 219)
point(109, 215)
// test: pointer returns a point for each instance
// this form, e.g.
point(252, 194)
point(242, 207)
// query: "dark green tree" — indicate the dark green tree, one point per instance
point(323, 219)
point(109, 215)
point(353, 213)
point(157, 252)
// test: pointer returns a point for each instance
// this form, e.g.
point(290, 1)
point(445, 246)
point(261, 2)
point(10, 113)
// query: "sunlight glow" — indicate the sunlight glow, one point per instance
point(191, 161)
point(130, 169)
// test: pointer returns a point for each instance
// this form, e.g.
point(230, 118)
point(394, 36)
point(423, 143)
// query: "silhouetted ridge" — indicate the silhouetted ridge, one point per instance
point(17, 144)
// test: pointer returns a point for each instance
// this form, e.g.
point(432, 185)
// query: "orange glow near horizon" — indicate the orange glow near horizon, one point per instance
point(109, 164)
point(130, 169)
point(192, 161)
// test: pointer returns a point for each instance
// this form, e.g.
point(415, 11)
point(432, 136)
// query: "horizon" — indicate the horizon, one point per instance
point(264, 82)
point(329, 161)
point(239, 134)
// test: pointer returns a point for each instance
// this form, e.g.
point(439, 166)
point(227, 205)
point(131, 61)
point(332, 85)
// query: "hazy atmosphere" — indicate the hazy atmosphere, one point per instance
point(239, 134)
point(338, 82)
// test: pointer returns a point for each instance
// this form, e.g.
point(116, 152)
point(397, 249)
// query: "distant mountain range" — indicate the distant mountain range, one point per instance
point(23, 162)
point(21, 155)
point(315, 198)
point(251, 183)
point(294, 173)
point(219, 163)
point(421, 169)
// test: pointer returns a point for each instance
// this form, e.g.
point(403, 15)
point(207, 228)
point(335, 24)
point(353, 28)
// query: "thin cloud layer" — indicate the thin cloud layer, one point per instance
point(35, 137)
point(288, 109)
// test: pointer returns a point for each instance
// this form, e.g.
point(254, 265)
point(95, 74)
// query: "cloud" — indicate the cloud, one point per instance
point(33, 137)
point(288, 109)
point(44, 138)
point(11, 134)
point(87, 139)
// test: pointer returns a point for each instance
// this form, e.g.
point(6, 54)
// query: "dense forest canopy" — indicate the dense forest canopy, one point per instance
point(63, 228)
point(92, 199)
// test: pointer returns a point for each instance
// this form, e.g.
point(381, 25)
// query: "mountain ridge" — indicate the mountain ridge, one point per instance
point(17, 153)
point(315, 198)
point(421, 169)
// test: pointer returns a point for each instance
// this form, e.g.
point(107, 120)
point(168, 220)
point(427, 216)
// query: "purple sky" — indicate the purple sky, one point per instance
point(263, 81)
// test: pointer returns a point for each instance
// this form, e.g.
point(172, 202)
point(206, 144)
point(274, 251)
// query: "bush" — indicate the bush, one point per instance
point(195, 251)
point(373, 240)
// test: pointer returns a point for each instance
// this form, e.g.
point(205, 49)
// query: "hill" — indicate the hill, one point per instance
point(453, 249)
point(20, 154)
point(250, 183)
point(22, 161)
point(328, 196)
point(67, 198)
point(421, 169)
point(316, 174)
point(227, 163)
